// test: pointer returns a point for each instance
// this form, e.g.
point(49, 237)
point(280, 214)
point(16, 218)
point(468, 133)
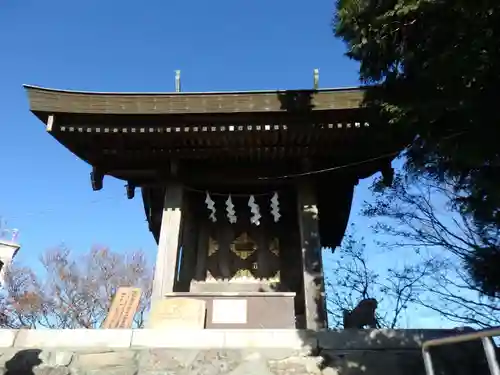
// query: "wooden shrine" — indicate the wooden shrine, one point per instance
point(241, 190)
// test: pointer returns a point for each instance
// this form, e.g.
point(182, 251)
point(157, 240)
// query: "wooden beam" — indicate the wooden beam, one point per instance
point(74, 102)
point(205, 130)
point(261, 173)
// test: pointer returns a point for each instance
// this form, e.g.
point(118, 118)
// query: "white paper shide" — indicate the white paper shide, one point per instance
point(255, 210)
point(231, 213)
point(275, 207)
point(211, 207)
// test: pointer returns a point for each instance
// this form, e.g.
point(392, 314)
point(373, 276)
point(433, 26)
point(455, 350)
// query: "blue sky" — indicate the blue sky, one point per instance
point(136, 46)
point(103, 46)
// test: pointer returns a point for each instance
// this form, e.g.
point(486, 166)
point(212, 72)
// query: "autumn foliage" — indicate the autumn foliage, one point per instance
point(65, 290)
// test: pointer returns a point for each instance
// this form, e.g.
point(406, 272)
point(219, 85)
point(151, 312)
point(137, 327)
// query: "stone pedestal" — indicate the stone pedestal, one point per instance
point(245, 310)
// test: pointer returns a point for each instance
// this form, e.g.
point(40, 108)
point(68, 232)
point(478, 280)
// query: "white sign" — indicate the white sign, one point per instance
point(229, 311)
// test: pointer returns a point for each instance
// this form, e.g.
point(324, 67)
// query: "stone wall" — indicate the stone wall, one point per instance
point(229, 352)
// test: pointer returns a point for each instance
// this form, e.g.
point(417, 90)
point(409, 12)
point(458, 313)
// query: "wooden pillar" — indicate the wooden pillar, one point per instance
point(168, 244)
point(224, 238)
point(202, 252)
point(189, 240)
point(312, 265)
point(262, 239)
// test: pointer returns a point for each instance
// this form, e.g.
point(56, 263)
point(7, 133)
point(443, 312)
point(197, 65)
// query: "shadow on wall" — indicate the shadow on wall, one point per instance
point(23, 362)
point(393, 352)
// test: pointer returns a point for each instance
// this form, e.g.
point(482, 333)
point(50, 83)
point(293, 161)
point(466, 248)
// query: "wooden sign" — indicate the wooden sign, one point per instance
point(123, 308)
point(175, 313)
point(229, 311)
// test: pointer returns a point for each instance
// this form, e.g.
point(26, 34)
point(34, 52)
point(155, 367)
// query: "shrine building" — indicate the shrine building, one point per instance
point(241, 190)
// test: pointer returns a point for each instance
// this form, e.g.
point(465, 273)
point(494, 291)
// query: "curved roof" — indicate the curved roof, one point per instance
point(50, 89)
point(160, 93)
point(81, 102)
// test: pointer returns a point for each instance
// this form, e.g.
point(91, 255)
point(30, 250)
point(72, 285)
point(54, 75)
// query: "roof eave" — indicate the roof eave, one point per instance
point(187, 93)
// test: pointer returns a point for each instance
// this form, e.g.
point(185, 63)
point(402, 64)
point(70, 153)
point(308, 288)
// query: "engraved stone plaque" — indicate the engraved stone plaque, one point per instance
point(229, 311)
point(175, 313)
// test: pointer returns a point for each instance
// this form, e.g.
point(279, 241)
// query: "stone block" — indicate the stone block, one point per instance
point(408, 362)
point(49, 371)
point(287, 367)
point(257, 366)
point(121, 370)
point(279, 338)
point(216, 362)
point(177, 313)
point(184, 338)
point(106, 359)
point(275, 354)
point(55, 358)
point(159, 360)
point(7, 337)
point(5, 355)
point(241, 338)
point(370, 339)
point(73, 338)
point(312, 365)
point(330, 371)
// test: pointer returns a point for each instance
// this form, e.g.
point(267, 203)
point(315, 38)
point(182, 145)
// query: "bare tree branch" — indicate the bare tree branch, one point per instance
point(353, 280)
point(410, 215)
point(75, 291)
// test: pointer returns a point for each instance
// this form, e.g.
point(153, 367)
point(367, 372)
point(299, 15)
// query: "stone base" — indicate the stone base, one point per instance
point(263, 310)
point(232, 286)
point(230, 352)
